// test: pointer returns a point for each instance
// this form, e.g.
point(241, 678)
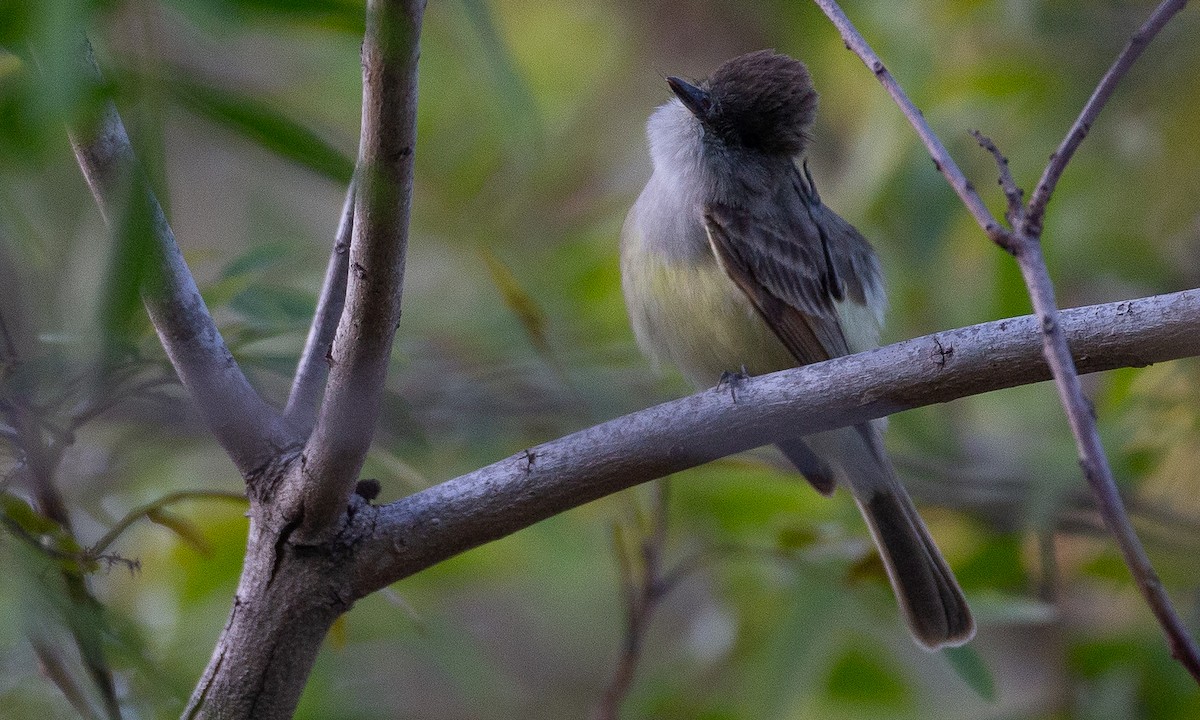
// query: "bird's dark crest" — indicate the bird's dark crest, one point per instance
point(762, 101)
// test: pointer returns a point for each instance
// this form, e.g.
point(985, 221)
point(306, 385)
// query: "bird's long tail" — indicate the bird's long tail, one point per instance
point(932, 602)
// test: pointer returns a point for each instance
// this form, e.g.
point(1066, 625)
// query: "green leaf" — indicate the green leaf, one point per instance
point(264, 125)
point(24, 516)
point(868, 568)
point(512, 91)
point(184, 528)
point(259, 257)
point(862, 678)
point(796, 537)
point(969, 665)
point(133, 267)
point(273, 307)
point(345, 16)
point(519, 301)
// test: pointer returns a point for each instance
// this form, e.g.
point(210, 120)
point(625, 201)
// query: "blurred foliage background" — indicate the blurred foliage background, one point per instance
point(245, 114)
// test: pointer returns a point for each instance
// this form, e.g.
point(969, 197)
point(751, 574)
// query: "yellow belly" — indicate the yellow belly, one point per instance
point(691, 315)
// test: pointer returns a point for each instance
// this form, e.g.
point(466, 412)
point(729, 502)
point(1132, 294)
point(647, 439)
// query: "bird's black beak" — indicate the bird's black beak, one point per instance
point(696, 100)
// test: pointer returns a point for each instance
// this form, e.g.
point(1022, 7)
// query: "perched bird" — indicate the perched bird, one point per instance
point(730, 260)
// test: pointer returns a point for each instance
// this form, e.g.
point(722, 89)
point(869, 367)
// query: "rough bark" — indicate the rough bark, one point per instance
point(432, 525)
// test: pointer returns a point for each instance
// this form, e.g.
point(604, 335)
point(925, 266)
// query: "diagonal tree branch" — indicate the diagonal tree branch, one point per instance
point(1083, 124)
point(945, 164)
point(250, 431)
point(435, 524)
point(347, 418)
point(1024, 243)
point(313, 368)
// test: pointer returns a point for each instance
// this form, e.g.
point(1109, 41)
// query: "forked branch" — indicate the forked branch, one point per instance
point(1023, 241)
point(362, 347)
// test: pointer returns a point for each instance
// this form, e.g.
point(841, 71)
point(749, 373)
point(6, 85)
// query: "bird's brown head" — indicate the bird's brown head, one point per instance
point(761, 101)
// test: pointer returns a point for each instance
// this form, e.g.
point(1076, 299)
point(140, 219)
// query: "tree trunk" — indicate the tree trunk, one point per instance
point(288, 597)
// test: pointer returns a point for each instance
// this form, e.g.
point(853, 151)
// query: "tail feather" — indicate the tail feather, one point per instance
point(932, 602)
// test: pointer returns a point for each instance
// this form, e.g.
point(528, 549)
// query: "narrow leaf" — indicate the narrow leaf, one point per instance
point(520, 302)
point(264, 125)
point(185, 529)
point(969, 666)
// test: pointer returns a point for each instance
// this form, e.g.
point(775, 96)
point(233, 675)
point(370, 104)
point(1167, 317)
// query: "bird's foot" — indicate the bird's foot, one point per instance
point(733, 380)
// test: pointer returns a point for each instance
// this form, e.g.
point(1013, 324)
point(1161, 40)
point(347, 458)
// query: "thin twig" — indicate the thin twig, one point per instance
point(83, 560)
point(56, 672)
point(941, 156)
point(91, 412)
point(643, 593)
point(313, 368)
point(143, 510)
point(1083, 124)
point(1024, 243)
point(1014, 194)
point(346, 422)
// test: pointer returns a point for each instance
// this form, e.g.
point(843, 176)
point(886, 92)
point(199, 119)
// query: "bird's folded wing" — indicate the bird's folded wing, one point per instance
point(783, 272)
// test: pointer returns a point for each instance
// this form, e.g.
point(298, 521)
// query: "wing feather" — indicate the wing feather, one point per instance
point(796, 259)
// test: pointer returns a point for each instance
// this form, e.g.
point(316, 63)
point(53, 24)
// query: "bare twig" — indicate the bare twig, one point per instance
point(313, 368)
point(103, 405)
point(434, 524)
point(251, 432)
point(941, 156)
point(56, 672)
point(1014, 194)
point(1083, 124)
point(143, 510)
point(642, 592)
point(346, 421)
point(1024, 243)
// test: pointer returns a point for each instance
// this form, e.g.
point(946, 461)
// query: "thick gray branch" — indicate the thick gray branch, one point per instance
point(432, 525)
point(346, 422)
point(249, 430)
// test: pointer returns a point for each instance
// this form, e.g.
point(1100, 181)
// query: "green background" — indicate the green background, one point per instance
point(245, 114)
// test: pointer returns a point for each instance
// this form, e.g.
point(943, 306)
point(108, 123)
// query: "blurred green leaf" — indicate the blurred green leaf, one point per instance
point(511, 89)
point(257, 258)
point(519, 301)
point(25, 517)
point(968, 665)
point(342, 16)
point(133, 268)
point(186, 530)
point(865, 679)
point(275, 308)
point(869, 567)
point(263, 124)
point(995, 564)
point(45, 535)
point(796, 537)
